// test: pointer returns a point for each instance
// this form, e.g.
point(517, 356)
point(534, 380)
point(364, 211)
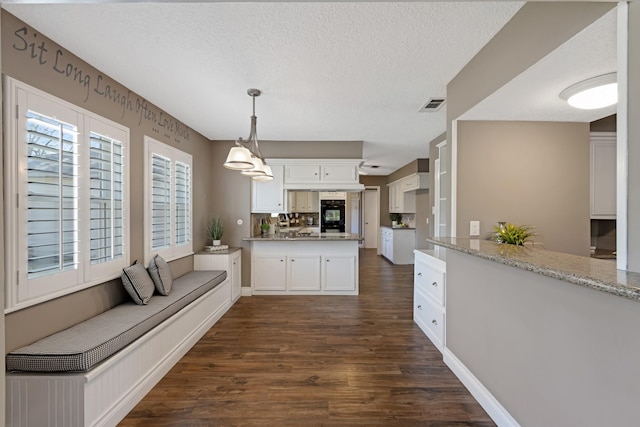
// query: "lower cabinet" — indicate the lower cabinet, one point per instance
point(397, 244)
point(228, 260)
point(303, 267)
point(429, 293)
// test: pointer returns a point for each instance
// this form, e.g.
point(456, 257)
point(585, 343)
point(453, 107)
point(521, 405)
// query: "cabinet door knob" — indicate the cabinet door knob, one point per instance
point(420, 274)
point(328, 260)
point(435, 322)
point(435, 284)
point(419, 307)
point(281, 260)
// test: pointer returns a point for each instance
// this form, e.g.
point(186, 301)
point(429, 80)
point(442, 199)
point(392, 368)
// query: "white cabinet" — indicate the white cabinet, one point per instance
point(269, 196)
point(304, 201)
point(429, 293)
point(402, 196)
point(270, 271)
point(229, 260)
point(603, 175)
point(304, 267)
point(397, 244)
point(320, 174)
point(304, 272)
point(302, 173)
point(339, 272)
point(339, 173)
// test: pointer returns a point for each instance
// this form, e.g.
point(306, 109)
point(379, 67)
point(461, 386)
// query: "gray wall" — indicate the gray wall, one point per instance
point(537, 29)
point(551, 352)
point(30, 324)
point(526, 173)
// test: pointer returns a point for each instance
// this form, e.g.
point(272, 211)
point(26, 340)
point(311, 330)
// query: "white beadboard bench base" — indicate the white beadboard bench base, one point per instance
point(104, 395)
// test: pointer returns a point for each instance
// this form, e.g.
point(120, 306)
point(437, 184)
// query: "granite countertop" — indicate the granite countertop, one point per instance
point(226, 251)
point(585, 271)
point(296, 237)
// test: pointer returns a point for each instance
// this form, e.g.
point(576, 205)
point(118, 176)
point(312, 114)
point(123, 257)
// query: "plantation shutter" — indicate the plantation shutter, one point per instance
point(52, 196)
point(183, 203)
point(106, 199)
point(160, 201)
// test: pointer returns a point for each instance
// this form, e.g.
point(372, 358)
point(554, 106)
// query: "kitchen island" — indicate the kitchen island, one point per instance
point(294, 263)
point(540, 337)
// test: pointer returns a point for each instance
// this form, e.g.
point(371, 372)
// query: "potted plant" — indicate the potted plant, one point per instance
point(512, 234)
point(396, 218)
point(264, 227)
point(215, 229)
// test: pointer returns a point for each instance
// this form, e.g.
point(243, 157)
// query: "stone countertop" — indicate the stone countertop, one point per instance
point(218, 252)
point(313, 237)
point(585, 271)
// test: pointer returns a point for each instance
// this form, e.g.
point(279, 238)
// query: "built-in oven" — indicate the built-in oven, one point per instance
point(332, 216)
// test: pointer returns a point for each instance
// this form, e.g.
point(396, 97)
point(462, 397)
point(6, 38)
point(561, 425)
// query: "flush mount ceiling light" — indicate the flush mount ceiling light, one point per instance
point(593, 93)
point(246, 156)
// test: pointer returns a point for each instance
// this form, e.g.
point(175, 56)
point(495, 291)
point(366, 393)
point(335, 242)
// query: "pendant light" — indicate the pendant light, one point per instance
point(248, 158)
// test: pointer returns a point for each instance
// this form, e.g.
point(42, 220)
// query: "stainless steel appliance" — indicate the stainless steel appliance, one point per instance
point(332, 216)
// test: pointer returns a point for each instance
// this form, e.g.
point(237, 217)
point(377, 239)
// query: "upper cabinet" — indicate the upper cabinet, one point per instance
point(603, 175)
point(269, 196)
point(321, 174)
point(304, 201)
point(402, 196)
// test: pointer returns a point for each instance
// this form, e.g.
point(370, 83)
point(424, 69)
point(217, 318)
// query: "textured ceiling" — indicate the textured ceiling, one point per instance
point(328, 70)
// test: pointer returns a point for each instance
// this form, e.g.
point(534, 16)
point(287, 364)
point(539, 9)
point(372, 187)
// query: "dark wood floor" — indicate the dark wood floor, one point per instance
point(315, 361)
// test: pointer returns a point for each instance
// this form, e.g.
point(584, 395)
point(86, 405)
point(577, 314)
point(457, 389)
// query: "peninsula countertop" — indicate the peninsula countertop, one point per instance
point(593, 273)
point(296, 236)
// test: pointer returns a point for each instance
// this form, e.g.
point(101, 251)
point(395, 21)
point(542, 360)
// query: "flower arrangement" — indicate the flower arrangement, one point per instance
point(512, 234)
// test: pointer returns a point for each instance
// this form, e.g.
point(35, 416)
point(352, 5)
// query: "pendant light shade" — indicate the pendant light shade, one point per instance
point(268, 174)
point(257, 169)
point(248, 159)
point(239, 158)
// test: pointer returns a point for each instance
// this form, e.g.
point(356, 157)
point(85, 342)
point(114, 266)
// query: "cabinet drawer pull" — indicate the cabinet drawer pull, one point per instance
point(435, 322)
point(420, 274)
point(434, 284)
point(292, 260)
point(419, 307)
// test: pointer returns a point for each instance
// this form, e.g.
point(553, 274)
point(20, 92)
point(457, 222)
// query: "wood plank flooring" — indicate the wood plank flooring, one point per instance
point(315, 361)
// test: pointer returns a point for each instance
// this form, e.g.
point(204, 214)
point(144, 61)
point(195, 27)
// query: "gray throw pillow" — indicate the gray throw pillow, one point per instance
point(137, 282)
point(160, 273)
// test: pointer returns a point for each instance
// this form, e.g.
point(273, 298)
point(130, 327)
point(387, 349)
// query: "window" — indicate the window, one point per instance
point(167, 201)
point(65, 187)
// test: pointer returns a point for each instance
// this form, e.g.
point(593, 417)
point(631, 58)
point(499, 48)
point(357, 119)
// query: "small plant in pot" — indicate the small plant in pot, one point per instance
point(264, 227)
point(215, 229)
point(512, 234)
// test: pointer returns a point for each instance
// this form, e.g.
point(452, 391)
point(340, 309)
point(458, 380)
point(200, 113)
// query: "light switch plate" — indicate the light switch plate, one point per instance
point(474, 228)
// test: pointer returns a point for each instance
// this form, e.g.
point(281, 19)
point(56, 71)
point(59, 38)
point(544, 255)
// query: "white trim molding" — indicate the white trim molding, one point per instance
point(489, 403)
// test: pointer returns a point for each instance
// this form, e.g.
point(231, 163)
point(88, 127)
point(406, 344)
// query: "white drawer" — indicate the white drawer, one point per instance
point(429, 280)
point(429, 317)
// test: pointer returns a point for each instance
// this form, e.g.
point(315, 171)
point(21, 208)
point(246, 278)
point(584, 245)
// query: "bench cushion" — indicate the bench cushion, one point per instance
point(82, 346)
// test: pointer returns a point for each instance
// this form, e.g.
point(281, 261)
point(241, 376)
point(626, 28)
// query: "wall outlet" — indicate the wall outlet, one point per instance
point(474, 228)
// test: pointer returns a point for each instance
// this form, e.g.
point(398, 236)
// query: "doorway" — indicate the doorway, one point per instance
point(371, 216)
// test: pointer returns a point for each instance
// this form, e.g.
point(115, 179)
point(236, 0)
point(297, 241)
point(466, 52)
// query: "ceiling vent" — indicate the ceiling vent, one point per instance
point(432, 105)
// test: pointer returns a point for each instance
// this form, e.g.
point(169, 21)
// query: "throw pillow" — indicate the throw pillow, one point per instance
point(160, 273)
point(137, 282)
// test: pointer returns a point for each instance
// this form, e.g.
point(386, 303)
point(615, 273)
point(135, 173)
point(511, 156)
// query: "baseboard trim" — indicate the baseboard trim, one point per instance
point(489, 403)
point(246, 291)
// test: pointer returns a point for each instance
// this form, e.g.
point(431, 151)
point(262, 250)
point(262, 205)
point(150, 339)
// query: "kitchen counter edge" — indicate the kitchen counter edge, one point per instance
point(597, 274)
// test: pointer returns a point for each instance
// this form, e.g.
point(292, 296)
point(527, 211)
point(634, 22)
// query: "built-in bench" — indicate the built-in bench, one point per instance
point(95, 372)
